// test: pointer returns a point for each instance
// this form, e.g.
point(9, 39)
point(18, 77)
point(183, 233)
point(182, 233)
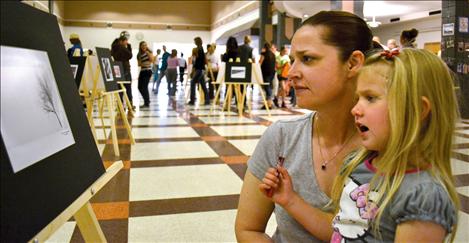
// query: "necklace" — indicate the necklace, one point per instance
point(326, 161)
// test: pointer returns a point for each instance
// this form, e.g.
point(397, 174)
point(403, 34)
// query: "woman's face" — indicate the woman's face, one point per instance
point(318, 74)
point(144, 46)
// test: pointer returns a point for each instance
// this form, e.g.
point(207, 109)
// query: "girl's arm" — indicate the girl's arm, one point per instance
point(254, 211)
point(419, 231)
point(316, 221)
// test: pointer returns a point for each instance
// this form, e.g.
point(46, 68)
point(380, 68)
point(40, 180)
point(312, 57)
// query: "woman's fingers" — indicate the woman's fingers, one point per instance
point(284, 173)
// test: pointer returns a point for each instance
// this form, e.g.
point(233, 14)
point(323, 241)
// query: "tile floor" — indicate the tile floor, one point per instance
point(182, 178)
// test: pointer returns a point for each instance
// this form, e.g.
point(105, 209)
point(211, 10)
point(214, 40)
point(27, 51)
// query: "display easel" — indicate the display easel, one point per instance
point(82, 211)
point(238, 87)
point(104, 100)
point(126, 97)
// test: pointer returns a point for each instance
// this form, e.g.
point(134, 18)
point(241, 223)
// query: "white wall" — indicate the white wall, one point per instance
point(102, 37)
point(429, 30)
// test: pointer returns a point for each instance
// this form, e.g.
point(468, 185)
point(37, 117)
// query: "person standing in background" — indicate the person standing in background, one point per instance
point(213, 62)
point(408, 38)
point(145, 59)
point(76, 46)
point(182, 67)
point(267, 62)
point(164, 65)
point(392, 44)
point(156, 67)
point(245, 51)
point(171, 73)
point(122, 51)
point(199, 68)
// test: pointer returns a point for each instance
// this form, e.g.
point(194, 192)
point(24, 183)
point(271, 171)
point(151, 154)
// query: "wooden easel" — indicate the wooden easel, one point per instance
point(82, 211)
point(105, 99)
point(237, 87)
point(126, 98)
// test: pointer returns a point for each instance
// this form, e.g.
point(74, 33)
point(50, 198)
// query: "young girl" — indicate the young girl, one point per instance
point(399, 186)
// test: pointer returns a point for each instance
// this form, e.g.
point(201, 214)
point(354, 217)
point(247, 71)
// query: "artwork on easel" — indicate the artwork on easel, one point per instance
point(236, 72)
point(118, 71)
point(106, 63)
point(41, 104)
point(78, 65)
point(107, 70)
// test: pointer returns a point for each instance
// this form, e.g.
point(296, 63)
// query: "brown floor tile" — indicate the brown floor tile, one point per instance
point(149, 140)
point(464, 203)
point(205, 131)
point(224, 148)
point(111, 210)
point(239, 169)
point(213, 138)
point(199, 125)
point(183, 205)
point(116, 190)
point(240, 159)
point(175, 162)
point(461, 180)
point(115, 231)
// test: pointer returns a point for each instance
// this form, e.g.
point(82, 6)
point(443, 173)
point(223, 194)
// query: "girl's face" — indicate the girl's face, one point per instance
point(318, 74)
point(144, 46)
point(371, 111)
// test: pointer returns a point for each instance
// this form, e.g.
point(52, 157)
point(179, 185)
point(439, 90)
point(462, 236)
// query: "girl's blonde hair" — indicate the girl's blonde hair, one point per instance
point(411, 75)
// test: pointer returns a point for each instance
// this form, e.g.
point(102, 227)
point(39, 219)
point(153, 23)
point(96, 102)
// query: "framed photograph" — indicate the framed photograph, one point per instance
point(107, 69)
point(236, 72)
point(78, 66)
point(24, 143)
point(463, 24)
point(118, 71)
point(448, 29)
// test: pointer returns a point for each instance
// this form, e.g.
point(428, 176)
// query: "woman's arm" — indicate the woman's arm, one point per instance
point(261, 59)
point(419, 231)
point(254, 211)
point(316, 221)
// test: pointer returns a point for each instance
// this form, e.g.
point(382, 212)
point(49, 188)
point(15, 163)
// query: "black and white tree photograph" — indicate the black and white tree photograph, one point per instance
point(74, 70)
point(107, 68)
point(34, 124)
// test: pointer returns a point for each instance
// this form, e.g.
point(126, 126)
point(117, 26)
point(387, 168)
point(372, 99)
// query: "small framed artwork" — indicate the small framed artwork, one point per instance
point(236, 72)
point(107, 69)
point(463, 24)
point(448, 29)
point(118, 71)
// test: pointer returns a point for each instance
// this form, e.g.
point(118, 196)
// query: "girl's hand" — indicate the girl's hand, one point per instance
point(278, 180)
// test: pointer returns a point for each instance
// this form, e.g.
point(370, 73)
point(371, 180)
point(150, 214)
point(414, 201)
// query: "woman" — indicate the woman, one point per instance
point(267, 62)
point(408, 38)
point(171, 73)
point(145, 59)
point(328, 50)
point(213, 62)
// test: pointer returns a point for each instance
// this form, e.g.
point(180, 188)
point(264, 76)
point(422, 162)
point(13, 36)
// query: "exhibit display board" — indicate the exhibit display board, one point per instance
point(107, 68)
point(78, 65)
point(39, 179)
point(236, 72)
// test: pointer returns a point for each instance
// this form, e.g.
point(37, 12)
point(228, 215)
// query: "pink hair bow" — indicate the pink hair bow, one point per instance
point(389, 54)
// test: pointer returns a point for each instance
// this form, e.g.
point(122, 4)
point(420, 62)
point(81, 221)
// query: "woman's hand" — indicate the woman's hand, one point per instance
point(277, 185)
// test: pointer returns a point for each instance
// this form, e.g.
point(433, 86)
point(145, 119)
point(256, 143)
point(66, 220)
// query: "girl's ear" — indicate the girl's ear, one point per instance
point(354, 63)
point(426, 107)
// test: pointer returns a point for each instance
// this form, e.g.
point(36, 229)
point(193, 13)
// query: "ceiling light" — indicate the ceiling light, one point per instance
point(305, 16)
point(374, 23)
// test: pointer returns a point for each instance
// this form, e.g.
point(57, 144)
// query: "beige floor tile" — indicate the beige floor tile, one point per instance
point(459, 140)
point(100, 133)
point(241, 130)
point(214, 226)
point(63, 234)
point(98, 122)
point(225, 119)
point(212, 113)
point(464, 190)
point(158, 121)
point(182, 182)
point(246, 146)
point(462, 235)
point(160, 113)
point(272, 112)
point(164, 132)
point(462, 151)
point(101, 148)
point(459, 167)
point(171, 150)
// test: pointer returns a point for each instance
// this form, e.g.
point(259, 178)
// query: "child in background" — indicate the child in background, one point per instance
point(399, 186)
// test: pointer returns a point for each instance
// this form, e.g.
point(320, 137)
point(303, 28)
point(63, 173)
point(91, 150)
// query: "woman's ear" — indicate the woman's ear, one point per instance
point(354, 63)
point(426, 107)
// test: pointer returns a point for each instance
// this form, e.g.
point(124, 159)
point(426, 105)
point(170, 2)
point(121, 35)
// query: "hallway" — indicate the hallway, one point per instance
point(182, 178)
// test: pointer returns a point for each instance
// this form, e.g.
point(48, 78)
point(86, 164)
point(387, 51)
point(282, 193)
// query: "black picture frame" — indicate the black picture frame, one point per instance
point(107, 70)
point(118, 71)
point(36, 195)
point(80, 64)
point(236, 72)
